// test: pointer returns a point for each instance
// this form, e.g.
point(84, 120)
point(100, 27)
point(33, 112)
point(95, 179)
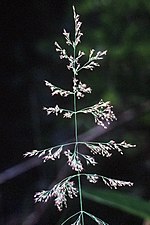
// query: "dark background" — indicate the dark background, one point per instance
point(28, 30)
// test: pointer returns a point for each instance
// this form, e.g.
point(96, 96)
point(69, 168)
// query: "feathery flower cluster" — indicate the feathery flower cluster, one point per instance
point(103, 115)
point(91, 62)
point(112, 183)
point(116, 183)
point(74, 161)
point(104, 148)
point(92, 178)
point(80, 89)
point(46, 154)
point(59, 191)
point(56, 90)
point(62, 52)
point(74, 64)
point(102, 111)
point(56, 110)
point(78, 32)
point(53, 156)
point(68, 115)
point(89, 159)
point(66, 188)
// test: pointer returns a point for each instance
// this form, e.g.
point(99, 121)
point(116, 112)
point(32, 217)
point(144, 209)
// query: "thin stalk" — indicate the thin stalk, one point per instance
point(76, 146)
point(76, 140)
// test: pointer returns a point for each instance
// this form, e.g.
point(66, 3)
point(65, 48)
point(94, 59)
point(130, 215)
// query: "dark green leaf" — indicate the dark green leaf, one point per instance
point(121, 201)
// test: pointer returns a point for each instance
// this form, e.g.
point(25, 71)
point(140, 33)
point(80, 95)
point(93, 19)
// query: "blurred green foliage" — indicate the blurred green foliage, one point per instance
point(122, 27)
point(130, 204)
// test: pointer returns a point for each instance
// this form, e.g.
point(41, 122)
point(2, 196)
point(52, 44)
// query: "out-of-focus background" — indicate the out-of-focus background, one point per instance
point(27, 34)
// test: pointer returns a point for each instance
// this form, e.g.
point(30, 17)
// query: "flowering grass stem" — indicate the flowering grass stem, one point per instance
point(103, 115)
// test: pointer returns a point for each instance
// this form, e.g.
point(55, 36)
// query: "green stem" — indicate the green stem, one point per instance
point(76, 141)
point(76, 147)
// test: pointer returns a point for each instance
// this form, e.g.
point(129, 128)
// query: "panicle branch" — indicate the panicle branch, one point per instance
point(78, 32)
point(92, 178)
point(89, 159)
point(46, 154)
point(102, 112)
point(62, 52)
point(105, 148)
point(91, 63)
point(56, 110)
point(56, 90)
point(74, 63)
point(66, 188)
point(60, 191)
point(67, 37)
point(74, 160)
point(80, 89)
point(112, 183)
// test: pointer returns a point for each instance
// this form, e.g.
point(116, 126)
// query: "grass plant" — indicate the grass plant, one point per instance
point(102, 113)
